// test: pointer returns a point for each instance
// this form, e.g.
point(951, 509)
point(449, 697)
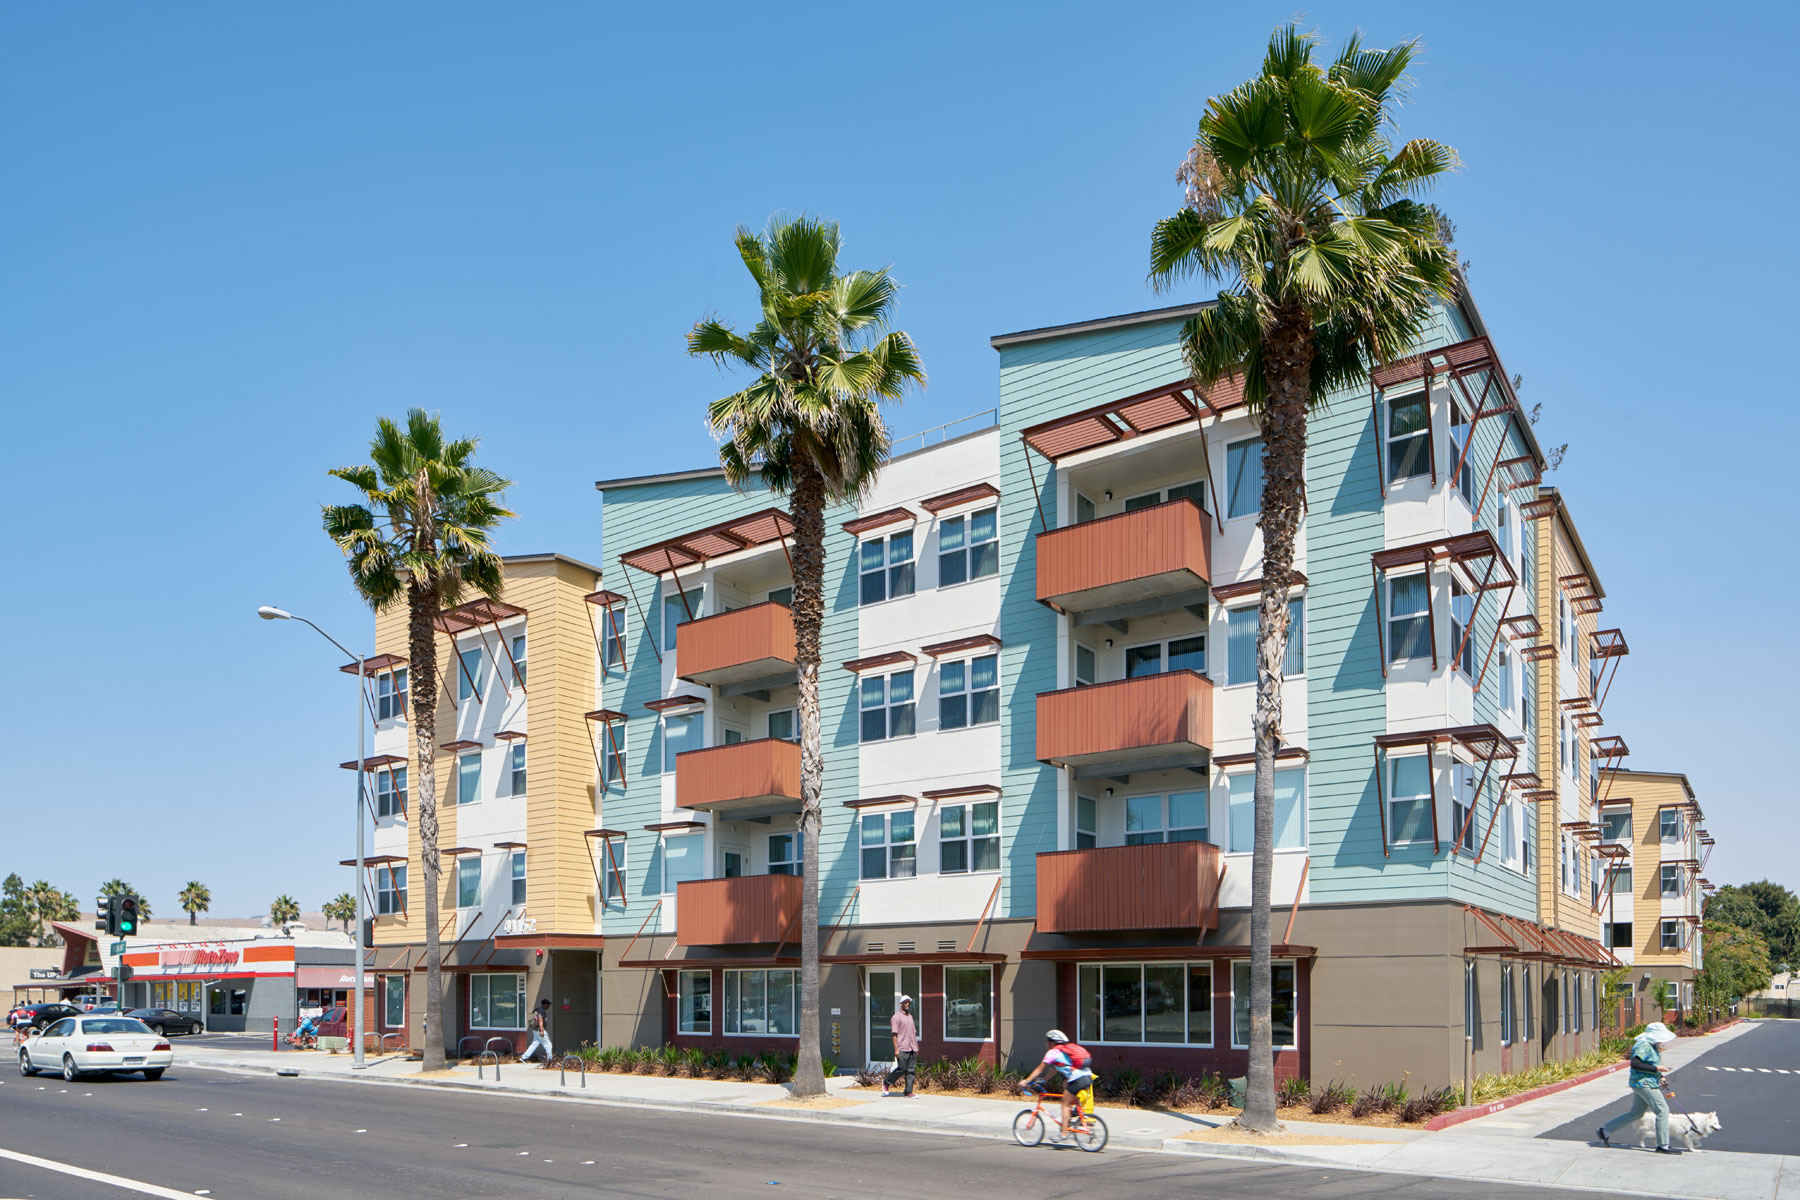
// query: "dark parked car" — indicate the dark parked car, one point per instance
point(37, 1016)
point(166, 1020)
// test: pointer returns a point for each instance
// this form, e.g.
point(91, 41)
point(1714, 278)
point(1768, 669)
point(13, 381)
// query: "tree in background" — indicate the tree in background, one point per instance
point(1737, 963)
point(342, 909)
point(1765, 908)
point(51, 904)
point(421, 537)
point(1300, 207)
point(195, 899)
point(809, 427)
point(283, 910)
point(18, 920)
point(118, 887)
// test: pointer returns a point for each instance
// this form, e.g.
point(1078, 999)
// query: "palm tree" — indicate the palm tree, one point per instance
point(421, 536)
point(195, 899)
point(118, 887)
point(50, 903)
point(283, 910)
point(342, 908)
point(810, 428)
point(1299, 206)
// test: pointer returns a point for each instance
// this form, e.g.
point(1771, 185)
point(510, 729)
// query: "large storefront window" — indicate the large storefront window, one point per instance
point(765, 1002)
point(496, 1002)
point(693, 1004)
point(227, 1001)
point(968, 1003)
point(1283, 1005)
point(1138, 1004)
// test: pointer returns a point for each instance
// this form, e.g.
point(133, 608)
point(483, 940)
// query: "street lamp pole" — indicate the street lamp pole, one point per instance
point(271, 613)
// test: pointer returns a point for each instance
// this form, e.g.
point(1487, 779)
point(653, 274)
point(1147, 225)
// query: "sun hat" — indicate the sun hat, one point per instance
point(906, 1000)
point(1659, 1033)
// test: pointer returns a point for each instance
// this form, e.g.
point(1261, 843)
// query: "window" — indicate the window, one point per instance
point(968, 1004)
point(886, 565)
point(1462, 640)
point(783, 596)
point(1138, 1004)
point(1528, 704)
point(1085, 674)
point(393, 1001)
point(785, 853)
point(390, 695)
point(1294, 663)
point(612, 637)
point(1459, 451)
point(390, 792)
point(611, 738)
point(1503, 533)
point(390, 890)
point(1670, 881)
point(1507, 1033)
point(969, 837)
point(1084, 509)
point(497, 1002)
point(762, 1002)
point(1508, 694)
point(468, 881)
point(889, 848)
point(1462, 805)
point(1087, 823)
point(967, 548)
point(468, 777)
point(470, 678)
point(969, 692)
point(733, 864)
point(681, 733)
point(1409, 800)
point(1290, 810)
point(1179, 654)
point(1283, 1011)
point(1528, 1009)
point(1409, 617)
point(1668, 823)
point(676, 610)
point(1244, 478)
point(887, 706)
point(1621, 881)
point(1195, 491)
point(1565, 746)
point(516, 764)
point(1409, 438)
point(1618, 936)
point(1524, 840)
point(518, 658)
point(683, 860)
point(1240, 643)
point(693, 1002)
point(1577, 1004)
point(1174, 817)
point(518, 877)
point(613, 872)
point(1508, 845)
point(1615, 825)
point(782, 725)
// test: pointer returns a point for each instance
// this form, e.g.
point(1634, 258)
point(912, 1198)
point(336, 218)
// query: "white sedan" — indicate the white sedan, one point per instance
point(78, 1045)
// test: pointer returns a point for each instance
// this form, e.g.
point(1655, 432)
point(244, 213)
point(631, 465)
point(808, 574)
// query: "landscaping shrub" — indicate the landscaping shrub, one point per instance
point(1366, 1105)
point(1293, 1093)
point(1332, 1097)
point(869, 1077)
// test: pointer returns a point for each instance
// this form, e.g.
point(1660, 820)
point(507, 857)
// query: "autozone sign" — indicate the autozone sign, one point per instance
point(196, 958)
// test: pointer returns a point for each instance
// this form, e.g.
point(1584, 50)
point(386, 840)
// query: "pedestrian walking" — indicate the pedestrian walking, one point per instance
point(906, 1048)
point(539, 1024)
point(1646, 1081)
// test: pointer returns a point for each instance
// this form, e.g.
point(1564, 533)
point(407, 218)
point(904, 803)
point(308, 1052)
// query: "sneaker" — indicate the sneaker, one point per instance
point(884, 1090)
point(1601, 1134)
point(1667, 1150)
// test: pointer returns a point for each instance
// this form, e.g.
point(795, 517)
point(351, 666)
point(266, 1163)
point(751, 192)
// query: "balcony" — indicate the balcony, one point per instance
point(749, 649)
point(1166, 886)
point(1150, 723)
point(740, 781)
point(1154, 560)
point(730, 912)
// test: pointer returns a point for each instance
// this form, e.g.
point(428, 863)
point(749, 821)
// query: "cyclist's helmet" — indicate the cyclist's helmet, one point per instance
point(1057, 1036)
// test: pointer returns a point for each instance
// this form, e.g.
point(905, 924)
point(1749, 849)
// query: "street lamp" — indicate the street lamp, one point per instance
point(269, 612)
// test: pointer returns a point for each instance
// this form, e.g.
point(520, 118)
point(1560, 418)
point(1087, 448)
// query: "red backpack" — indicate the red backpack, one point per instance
point(1079, 1058)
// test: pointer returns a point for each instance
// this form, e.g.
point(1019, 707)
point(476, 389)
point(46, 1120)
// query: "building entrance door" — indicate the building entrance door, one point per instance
point(884, 991)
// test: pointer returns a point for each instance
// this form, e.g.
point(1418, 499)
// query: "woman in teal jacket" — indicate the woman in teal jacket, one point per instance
point(1647, 1074)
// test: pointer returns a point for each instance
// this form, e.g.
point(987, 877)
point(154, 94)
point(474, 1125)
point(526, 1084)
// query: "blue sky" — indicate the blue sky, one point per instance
point(234, 234)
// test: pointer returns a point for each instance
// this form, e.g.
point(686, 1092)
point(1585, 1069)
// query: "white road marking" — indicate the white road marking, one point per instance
point(274, 1118)
point(362, 1131)
point(588, 1163)
point(1765, 1070)
point(462, 1145)
point(523, 1153)
point(1712, 1068)
point(133, 1185)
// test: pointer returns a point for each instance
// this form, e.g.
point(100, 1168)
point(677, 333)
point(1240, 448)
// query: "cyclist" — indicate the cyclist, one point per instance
point(1067, 1065)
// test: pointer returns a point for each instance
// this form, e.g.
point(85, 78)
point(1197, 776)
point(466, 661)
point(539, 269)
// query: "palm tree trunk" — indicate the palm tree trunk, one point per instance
point(421, 638)
point(809, 616)
point(1288, 368)
point(193, 917)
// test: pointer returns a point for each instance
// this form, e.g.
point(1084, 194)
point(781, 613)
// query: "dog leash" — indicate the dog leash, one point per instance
point(1692, 1127)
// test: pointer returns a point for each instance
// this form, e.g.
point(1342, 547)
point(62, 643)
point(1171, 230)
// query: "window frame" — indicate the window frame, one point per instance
point(1462, 616)
point(1165, 655)
point(388, 995)
point(968, 838)
point(1662, 825)
point(678, 608)
point(732, 1011)
point(518, 644)
point(887, 706)
point(487, 978)
point(968, 969)
point(971, 550)
point(615, 879)
point(1237, 476)
point(1667, 874)
point(1414, 618)
point(613, 632)
point(669, 750)
point(1391, 461)
point(1292, 965)
point(391, 694)
point(464, 884)
point(887, 844)
point(1464, 483)
point(1233, 805)
point(612, 770)
point(793, 716)
point(971, 696)
point(683, 993)
point(1090, 831)
point(667, 884)
point(468, 783)
point(395, 790)
point(797, 862)
point(1463, 783)
point(515, 767)
point(394, 894)
point(466, 690)
point(1508, 1030)
point(1164, 810)
point(889, 570)
point(518, 877)
point(1428, 797)
point(1186, 967)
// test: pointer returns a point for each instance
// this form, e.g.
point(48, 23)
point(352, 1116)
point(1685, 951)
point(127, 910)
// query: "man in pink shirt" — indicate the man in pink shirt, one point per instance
point(906, 1047)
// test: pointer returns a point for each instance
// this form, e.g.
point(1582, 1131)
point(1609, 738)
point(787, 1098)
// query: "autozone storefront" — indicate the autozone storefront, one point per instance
point(233, 985)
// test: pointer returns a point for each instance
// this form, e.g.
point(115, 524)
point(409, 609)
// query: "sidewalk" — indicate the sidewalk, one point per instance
point(1504, 1147)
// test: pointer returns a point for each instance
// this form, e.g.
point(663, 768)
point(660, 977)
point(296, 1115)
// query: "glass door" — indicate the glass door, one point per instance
point(885, 989)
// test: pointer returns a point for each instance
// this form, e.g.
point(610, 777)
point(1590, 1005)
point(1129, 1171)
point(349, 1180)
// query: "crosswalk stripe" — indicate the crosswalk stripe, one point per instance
point(1712, 1068)
point(1765, 1070)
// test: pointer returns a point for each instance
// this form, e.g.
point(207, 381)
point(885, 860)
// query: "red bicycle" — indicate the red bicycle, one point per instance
point(1028, 1129)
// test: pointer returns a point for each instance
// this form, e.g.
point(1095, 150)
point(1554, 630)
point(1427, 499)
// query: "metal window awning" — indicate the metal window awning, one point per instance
point(458, 851)
point(881, 801)
point(460, 745)
point(675, 826)
point(670, 703)
point(972, 494)
point(510, 735)
point(1245, 759)
point(476, 613)
point(746, 532)
point(376, 860)
point(1157, 408)
point(977, 789)
point(376, 664)
point(509, 845)
point(1485, 743)
point(1156, 953)
point(1252, 587)
point(893, 658)
point(981, 641)
point(881, 520)
point(375, 762)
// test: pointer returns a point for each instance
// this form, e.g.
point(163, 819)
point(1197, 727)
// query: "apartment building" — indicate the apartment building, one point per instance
point(1039, 648)
point(515, 782)
point(1652, 824)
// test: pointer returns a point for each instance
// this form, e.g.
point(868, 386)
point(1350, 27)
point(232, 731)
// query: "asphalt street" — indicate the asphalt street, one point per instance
point(1752, 1082)
point(237, 1136)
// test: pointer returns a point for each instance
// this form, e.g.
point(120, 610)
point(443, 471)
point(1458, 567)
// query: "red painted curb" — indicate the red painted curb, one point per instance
point(1549, 1089)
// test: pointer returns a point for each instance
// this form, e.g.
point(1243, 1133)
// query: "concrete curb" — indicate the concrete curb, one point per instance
point(1458, 1116)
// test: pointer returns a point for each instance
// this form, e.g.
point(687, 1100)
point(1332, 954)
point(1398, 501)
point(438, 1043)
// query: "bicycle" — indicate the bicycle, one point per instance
point(1029, 1127)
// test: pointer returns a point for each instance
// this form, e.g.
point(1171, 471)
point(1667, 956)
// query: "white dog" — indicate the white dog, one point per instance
point(1691, 1128)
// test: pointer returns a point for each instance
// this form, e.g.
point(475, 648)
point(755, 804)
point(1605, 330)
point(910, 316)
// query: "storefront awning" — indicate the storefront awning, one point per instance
point(327, 977)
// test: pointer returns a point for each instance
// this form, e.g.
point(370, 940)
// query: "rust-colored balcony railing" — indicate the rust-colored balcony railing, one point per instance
point(1133, 559)
point(1174, 885)
point(728, 912)
point(742, 780)
point(743, 646)
point(1143, 724)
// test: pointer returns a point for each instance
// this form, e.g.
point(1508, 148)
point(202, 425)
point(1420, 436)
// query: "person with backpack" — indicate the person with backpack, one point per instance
point(1070, 1067)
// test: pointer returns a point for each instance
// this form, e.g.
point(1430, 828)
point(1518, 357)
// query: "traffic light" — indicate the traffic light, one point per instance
point(125, 916)
point(103, 915)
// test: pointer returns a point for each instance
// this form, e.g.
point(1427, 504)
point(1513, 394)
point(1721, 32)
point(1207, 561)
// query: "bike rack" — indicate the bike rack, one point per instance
point(562, 1067)
point(383, 1047)
point(481, 1063)
point(463, 1042)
